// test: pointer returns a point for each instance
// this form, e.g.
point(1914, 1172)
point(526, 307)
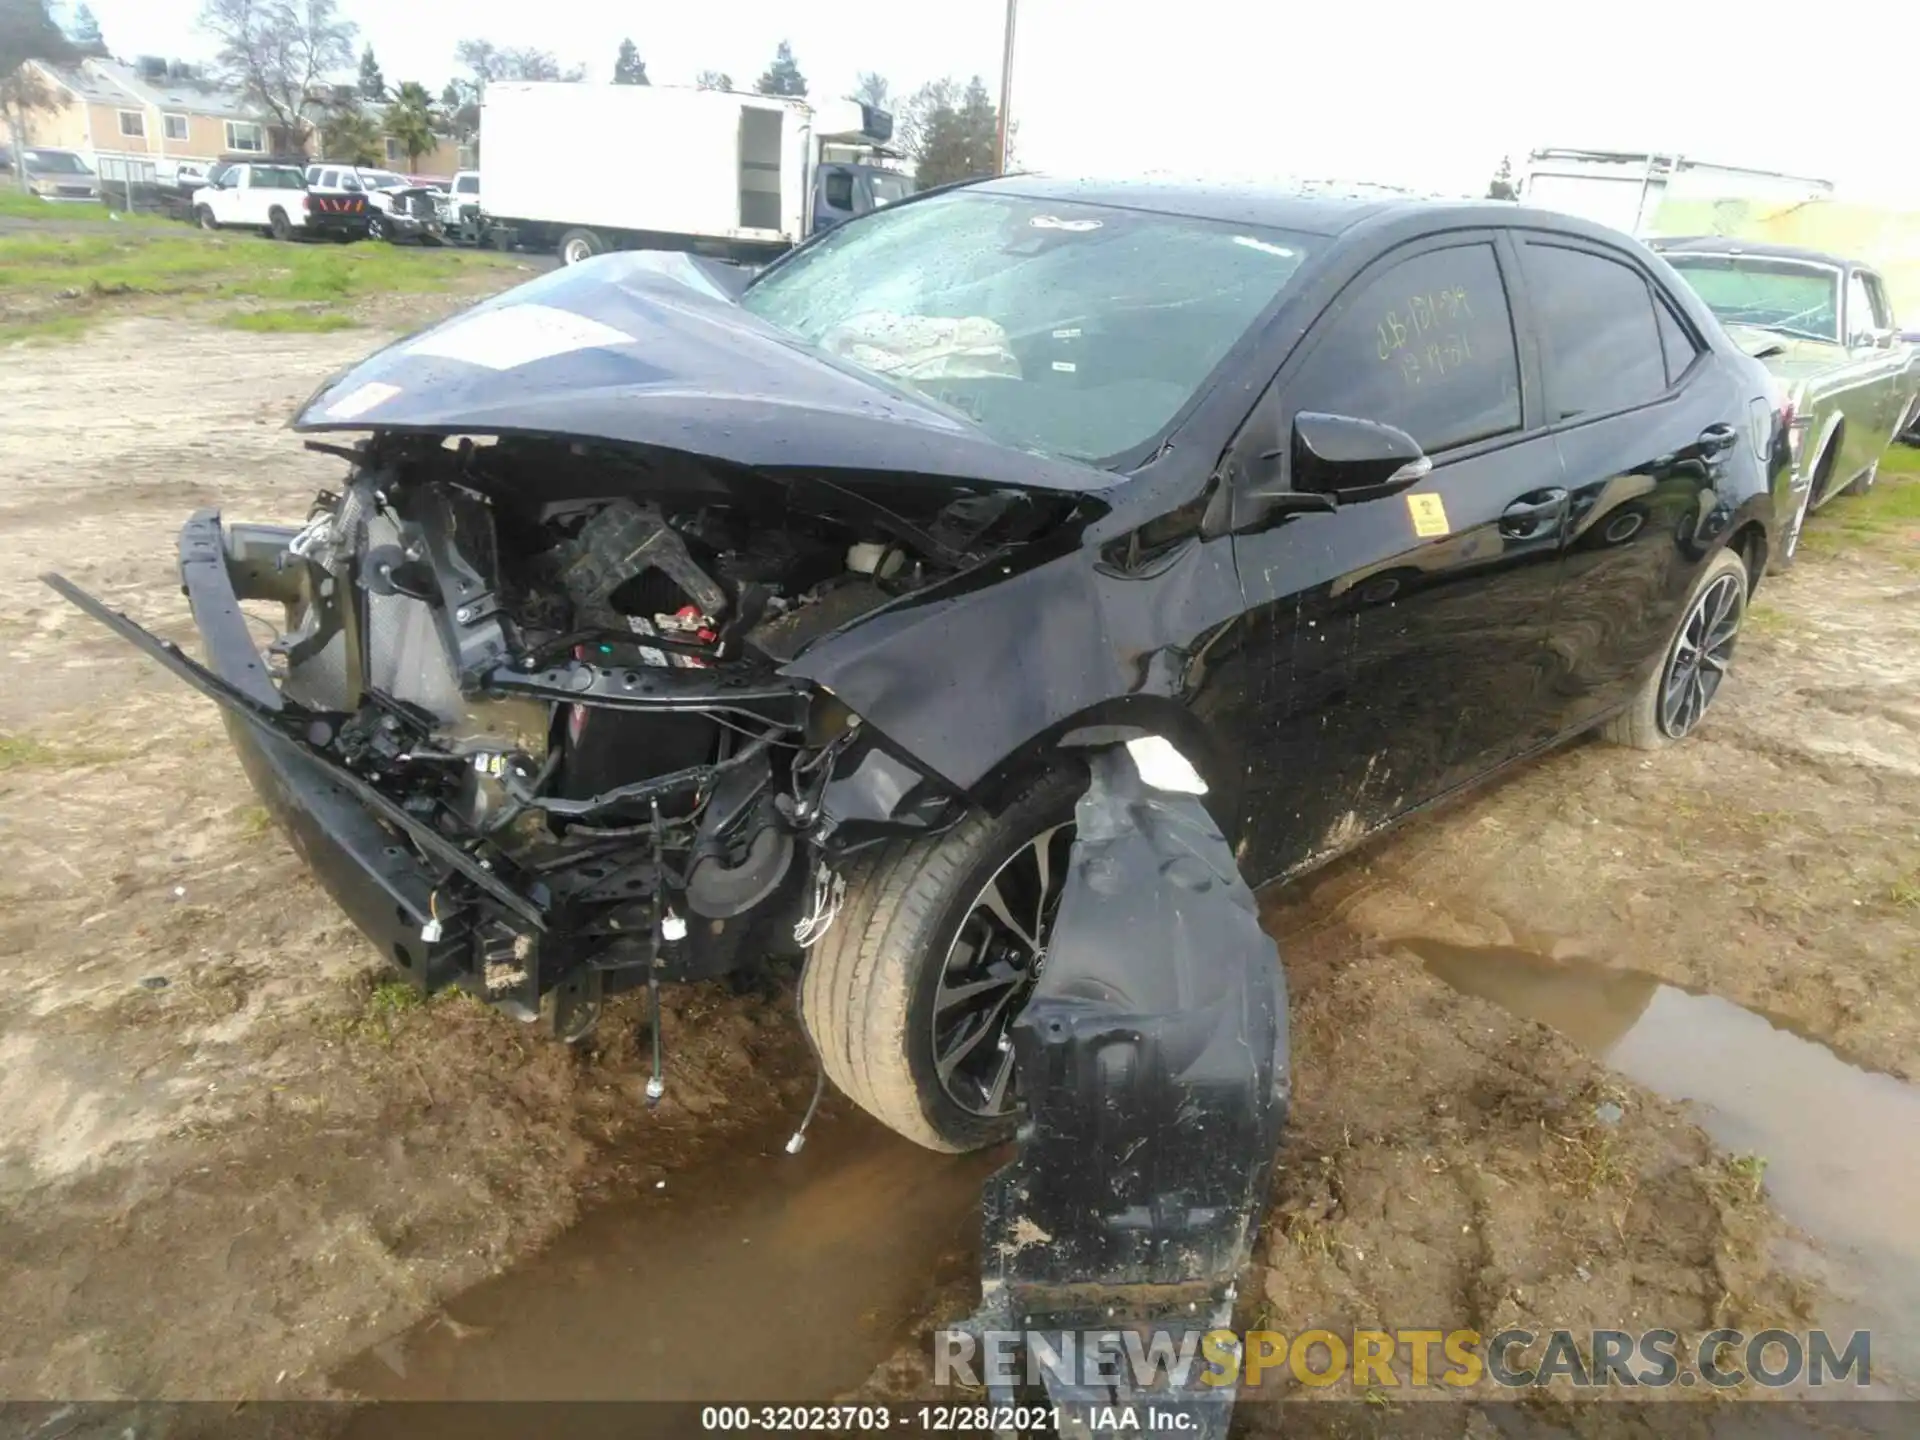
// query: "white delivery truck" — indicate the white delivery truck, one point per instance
point(1624, 188)
point(586, 168)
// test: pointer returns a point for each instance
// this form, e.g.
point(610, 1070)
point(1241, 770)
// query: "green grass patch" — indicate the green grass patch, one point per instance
point(69, 280)
point(51, 330)
point(17, 204)
point(1886, 518)
point(19, 751)
point(289, 322)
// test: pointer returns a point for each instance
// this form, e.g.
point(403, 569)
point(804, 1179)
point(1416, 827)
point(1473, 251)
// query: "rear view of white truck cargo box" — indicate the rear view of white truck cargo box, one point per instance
point(646, 159)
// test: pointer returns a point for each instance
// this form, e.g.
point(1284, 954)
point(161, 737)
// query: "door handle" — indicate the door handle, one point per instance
point(1718, 439)
point(1522, 519)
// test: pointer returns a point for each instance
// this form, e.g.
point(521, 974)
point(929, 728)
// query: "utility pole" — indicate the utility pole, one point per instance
point(1006, 89)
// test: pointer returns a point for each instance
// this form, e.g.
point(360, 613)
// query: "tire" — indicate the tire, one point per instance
point(1862, 483)
point(278, 226)
point(203, 217)
point(869, 988)
point(578, 245)
point(1650, 723)
point(376, 227)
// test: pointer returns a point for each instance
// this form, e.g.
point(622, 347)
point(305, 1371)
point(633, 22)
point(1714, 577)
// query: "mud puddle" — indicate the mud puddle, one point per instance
point(1841, 1142)
point(756, 1276)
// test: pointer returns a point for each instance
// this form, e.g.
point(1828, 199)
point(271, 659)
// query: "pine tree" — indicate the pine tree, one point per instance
point(373, 85)
point(629, 68)
point(1502, 186)
point(783, 77)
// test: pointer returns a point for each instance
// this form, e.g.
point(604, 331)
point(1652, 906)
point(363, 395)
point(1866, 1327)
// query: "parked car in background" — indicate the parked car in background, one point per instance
point(460, 207)
point(728, 616)
point(60, 175)
point(1823, 325)
point(275, 198)
point(397, 208)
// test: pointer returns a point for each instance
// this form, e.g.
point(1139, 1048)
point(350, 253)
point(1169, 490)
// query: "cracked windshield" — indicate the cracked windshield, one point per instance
point(1076, 330)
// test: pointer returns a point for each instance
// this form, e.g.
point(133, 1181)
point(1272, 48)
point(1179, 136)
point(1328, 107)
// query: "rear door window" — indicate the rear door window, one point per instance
point(1599, 334)
point(1425, 344)
point(1675, 343)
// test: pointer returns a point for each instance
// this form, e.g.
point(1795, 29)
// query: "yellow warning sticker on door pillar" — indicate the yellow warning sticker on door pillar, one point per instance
point(1429, 515)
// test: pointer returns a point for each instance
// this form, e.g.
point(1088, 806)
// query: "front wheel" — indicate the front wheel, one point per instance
point(1672, 700)
point(911, 995)
point(578, 245)
point(203, 216)
point(278, 226)
point(376, 227)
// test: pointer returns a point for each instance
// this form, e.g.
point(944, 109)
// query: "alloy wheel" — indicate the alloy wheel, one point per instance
point(989, 972)
point(1701, 654)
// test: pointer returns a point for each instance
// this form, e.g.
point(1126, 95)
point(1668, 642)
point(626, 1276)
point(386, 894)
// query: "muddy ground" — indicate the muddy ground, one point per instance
point(232, 1158)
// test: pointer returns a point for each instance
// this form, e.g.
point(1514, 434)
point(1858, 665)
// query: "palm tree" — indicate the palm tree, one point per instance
point(411, 121)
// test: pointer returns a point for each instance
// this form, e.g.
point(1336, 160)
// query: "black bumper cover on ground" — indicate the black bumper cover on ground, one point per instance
point(1153, 1062)
point(331, 818)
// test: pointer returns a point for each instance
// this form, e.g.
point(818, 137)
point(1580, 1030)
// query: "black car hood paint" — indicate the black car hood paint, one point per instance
point(618, 350)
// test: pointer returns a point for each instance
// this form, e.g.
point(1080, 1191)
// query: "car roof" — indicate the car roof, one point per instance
point(1310, 207)
point(1761, 249)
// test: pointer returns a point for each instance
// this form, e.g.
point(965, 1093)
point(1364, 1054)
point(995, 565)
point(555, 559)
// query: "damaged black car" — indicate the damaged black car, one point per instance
point(659, 625)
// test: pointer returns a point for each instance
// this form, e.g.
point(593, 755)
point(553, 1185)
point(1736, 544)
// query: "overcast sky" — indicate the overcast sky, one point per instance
point(1426, 95)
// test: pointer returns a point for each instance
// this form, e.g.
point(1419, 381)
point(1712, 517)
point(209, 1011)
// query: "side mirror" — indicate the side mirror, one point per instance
point(1331, 460)
point(1349, 459)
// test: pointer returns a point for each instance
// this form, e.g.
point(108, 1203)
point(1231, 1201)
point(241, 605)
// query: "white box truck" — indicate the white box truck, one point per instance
point(1624, 188)
point(586, 168)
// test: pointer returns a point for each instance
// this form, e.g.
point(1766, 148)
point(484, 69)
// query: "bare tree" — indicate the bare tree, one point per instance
point(871, 88)
point(912, 124)
point(24, 94)
point(713, 80)
point(487, 61)
point(279, 52)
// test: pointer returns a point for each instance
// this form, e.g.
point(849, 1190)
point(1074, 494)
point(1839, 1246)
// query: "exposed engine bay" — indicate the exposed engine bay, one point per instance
point(583, 695)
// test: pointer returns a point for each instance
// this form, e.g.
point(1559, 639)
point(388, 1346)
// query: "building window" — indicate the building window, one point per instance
point(133, 124)
point(396, 152)
point(245, 135)
point(176, 126)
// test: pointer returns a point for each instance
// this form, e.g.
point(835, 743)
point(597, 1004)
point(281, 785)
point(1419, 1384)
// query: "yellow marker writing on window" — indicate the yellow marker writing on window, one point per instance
point(1429, 515)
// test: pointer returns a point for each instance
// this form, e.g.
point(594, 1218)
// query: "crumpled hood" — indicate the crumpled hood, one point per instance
point(621, 349)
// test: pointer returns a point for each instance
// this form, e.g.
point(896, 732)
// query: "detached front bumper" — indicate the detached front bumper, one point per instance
point(387, 871)
point(412, 227)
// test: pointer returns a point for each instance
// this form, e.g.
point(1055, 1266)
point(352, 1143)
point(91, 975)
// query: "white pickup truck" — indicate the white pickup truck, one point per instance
point(275, 198)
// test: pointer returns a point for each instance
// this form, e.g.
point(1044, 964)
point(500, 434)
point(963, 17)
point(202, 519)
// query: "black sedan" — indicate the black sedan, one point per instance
point(656, 628)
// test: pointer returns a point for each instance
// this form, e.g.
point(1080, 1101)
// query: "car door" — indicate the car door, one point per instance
point(249, 199)
point(1645, 424)
point(1404, 634)
point(1882, 360)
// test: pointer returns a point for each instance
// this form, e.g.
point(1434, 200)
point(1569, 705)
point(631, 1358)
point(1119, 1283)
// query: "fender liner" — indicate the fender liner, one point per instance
point(1153, 1059)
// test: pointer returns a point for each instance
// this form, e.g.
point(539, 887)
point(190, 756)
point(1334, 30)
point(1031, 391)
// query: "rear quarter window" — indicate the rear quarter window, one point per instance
point(1599, 335)
point(1675, 343)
